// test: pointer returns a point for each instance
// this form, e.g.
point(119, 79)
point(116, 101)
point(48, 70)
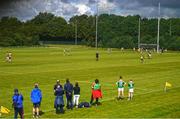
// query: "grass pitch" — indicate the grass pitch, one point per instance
point(47, 64)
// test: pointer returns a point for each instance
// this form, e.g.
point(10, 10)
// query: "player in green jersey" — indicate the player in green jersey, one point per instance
point(131, 89)
point(120, 84)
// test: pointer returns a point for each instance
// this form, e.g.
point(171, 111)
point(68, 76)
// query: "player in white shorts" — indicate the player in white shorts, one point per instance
point(131, 89)
point(120, 85)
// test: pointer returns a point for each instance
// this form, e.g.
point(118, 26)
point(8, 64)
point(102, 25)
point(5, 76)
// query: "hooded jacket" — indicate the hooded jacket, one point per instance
point(17, 100)
point(36, 95)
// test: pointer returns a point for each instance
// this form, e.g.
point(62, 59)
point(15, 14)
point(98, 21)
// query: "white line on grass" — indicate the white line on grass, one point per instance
point(143, 93)
point(108, 99)
point(110, 84)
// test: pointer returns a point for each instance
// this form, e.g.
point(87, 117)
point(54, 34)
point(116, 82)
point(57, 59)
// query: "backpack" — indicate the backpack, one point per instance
point(84, 104)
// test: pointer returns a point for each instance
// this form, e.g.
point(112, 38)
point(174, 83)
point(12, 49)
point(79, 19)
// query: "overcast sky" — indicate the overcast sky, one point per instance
point(27, 9)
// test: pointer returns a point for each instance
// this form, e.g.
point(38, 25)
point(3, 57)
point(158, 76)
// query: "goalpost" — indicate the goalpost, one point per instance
point(145, 45)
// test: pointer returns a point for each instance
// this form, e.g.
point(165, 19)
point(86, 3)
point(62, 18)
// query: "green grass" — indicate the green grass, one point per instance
point(47, 64)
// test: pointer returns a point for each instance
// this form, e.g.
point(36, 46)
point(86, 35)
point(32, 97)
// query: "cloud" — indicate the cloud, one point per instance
point(26, 9)
point(147, 8)
point(83, 9)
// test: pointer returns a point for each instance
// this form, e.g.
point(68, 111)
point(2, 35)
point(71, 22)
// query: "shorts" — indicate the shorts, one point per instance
point(7, 58)
point(36, 105)
point(120, 89)
point(131, 90)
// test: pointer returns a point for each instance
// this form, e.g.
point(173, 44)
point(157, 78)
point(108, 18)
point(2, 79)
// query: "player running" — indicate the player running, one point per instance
point(142, 59)
point(9, 57)
point(149, 55)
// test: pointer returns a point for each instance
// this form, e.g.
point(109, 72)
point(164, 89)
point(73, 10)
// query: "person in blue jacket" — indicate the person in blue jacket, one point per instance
point(59, 102)
point(18, 104)
point(36, 98)
point(68, 87)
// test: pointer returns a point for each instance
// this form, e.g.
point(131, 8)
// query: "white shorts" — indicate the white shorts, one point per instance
point(121, 89)
point(7, 58)
point(131, 90)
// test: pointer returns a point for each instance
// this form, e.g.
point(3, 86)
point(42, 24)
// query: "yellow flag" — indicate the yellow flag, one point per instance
point(4, 110)
point(168, 84)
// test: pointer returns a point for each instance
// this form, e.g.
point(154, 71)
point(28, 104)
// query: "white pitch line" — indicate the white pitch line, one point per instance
point(108, 99)
point(8, 73)
point(111, 84)
point(143, 93)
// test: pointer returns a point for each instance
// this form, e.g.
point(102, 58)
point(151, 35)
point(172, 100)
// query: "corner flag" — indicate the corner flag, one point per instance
point(4, 110)
point(168, 84)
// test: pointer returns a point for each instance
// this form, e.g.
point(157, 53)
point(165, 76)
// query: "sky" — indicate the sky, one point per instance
point(27, 9)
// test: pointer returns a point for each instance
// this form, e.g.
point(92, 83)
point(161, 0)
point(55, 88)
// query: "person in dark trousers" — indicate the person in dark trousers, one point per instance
point(142, 59)
point(92, 87)
point(76, 95)
point(97, 56)
point(36, 98)
point(59, 102)
point(57, 84)
point(68, 87)
point(18, 104)
point(55, 87)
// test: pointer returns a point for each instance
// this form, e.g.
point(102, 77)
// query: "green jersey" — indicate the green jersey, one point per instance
point(120, 84)
point(130, 85)
point(97, 86)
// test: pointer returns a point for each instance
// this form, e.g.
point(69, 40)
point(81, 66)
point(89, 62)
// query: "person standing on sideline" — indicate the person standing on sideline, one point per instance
point(68, 87)
point(92, 88)
point(76, 94)
point(56, 85)
point(18, 104)
point(59, 101)
point(36, 98)
point(96, 92)
point(131, 89)
point(120, 85)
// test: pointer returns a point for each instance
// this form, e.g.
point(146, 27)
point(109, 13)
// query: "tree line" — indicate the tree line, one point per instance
point(113, 30)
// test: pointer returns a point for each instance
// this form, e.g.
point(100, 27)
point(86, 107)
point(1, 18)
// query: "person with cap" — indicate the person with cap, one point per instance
point(56, 85)
point(18, 104)
point(59, 101)
point(68, 87)
point(36, 98)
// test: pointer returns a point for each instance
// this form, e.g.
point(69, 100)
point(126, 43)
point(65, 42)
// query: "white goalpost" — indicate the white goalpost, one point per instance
point(155, 45)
